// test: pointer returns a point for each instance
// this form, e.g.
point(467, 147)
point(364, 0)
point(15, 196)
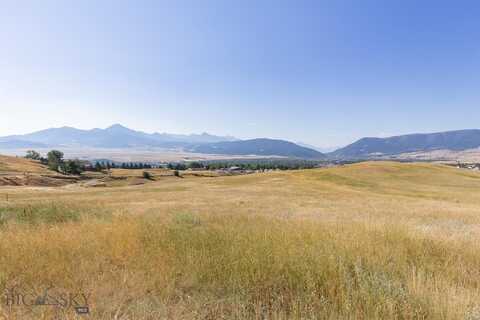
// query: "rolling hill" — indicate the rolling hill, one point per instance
point(16, 171)
point(373, 147)
point(373, 240)
point(20, 165)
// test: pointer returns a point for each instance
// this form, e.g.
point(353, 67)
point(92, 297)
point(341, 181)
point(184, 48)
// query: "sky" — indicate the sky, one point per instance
point(319, 72)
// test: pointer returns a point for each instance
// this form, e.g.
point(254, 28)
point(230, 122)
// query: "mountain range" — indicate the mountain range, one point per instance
point(374, 147)
point(262, 147)
point(118, 136)
point(115, 136)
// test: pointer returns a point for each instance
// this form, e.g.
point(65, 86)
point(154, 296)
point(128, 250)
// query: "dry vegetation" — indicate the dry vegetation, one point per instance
point(366, 241)
point(22, 172)
point(132, 177)
point(21, 165)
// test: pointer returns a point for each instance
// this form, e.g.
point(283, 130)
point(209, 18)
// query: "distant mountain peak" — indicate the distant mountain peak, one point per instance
point(117, 126)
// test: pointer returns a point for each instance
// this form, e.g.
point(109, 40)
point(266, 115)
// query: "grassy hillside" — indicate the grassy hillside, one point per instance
point(367, 241)
point(19, 165)
point(15, 171)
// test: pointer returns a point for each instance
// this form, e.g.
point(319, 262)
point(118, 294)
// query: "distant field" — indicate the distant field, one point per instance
point(468, 156)
point(130, 155)
point(375, 240)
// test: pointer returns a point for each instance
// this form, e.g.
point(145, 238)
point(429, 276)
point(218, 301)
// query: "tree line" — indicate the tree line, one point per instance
point(107, 165)
point(248, 164)
point(56, 162)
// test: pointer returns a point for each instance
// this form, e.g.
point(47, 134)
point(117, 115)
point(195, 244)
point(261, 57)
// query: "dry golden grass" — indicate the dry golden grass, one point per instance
point(20, 165)
point(367, 241)
point(135, 177)
point(159, 172)
point(138, 172)
point(16, 171)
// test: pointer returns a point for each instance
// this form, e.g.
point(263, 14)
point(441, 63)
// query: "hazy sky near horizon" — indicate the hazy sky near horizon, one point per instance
point(319, 72)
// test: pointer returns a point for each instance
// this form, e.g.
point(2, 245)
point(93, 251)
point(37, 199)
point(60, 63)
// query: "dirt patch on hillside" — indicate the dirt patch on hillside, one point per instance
point(36, 180)
point(112, 181)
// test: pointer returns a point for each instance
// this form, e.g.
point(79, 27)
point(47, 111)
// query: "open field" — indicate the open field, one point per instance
point(129, 177)
point(132, 155)
point(375, 240)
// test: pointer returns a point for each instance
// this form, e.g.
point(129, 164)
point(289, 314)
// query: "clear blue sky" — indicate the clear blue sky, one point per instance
point(320, 72)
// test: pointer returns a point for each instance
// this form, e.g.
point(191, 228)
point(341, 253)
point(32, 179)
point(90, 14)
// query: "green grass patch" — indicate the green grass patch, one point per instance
point(47, 213)
point(341, 180)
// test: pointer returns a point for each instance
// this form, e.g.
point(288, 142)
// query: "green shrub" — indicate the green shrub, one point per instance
point(147, 175)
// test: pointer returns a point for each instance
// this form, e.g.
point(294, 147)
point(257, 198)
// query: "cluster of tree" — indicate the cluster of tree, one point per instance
point(177, 166)
point(186, 165)
point(34, 155)
point(135, 165)
point(264, 164)
point(147, 175)
point(107, 165)
point(56, 162)
point(248, 164)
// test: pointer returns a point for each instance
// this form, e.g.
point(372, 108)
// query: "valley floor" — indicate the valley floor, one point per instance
point(131, 154)
point(378, 240)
